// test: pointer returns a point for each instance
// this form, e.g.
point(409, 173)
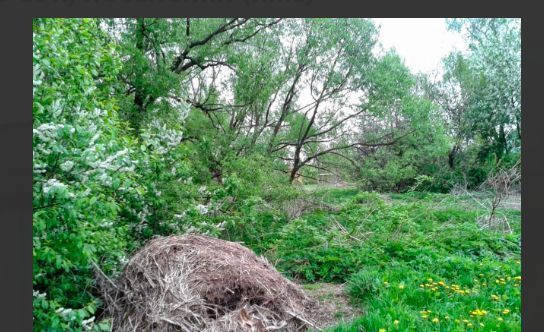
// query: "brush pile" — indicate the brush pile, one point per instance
point(197, 283)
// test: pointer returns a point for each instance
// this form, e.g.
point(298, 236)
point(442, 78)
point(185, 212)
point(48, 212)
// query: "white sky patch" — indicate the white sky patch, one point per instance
point(421, 42)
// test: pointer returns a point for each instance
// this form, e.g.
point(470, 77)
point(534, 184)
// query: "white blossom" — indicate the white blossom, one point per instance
point(105, 179)
point(47, 132)
point(88, 323)
point(63, 311)
point(202, 209)
point(67, 165)
point(53, 186)
point(38, 295)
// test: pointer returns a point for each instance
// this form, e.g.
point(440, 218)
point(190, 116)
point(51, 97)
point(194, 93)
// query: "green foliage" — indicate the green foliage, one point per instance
point(80, 169)
point(459, 294)
point(306, 250)
point(364, 284)
point(480, 97)
point(420, 259)
point(145, 127)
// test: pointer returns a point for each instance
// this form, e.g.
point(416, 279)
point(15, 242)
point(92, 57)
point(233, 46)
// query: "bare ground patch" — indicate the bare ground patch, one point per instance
point(335, 307)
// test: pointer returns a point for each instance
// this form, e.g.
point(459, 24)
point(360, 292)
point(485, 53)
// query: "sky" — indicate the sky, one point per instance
point(422, 42)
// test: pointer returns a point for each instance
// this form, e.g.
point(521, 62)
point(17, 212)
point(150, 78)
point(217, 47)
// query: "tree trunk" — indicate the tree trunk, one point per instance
point(296, 165)
point(139, 94)
point(452, 155)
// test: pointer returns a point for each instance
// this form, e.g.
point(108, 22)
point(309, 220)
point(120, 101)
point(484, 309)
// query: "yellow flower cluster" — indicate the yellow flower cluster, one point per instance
point(425, 313)
point(517, 280)
point(500, 281)
point(434, 287)
point(478, 312)
point(503, 281)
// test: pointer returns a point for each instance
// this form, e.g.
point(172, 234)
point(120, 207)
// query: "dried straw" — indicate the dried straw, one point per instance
point(198, 283)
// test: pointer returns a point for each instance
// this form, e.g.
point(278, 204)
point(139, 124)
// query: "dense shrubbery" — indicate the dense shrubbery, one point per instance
point(81, 168)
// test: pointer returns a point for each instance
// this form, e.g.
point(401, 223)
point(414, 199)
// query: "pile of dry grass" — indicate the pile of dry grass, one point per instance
point(198, 283)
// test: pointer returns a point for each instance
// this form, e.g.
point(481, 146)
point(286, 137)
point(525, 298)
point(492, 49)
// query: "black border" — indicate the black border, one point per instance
point(16, 120)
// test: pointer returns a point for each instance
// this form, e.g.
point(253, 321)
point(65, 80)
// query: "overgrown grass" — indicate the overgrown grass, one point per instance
point(418, 261)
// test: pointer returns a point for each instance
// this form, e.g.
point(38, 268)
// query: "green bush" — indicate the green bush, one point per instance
point(364, 284)
point(81, 172)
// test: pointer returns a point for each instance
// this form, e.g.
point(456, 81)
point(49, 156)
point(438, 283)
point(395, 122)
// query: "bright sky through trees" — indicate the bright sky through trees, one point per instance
point(421, 42)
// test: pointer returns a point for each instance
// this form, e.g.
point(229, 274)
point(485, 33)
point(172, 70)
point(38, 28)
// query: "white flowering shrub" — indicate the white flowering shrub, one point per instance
point(81, 171)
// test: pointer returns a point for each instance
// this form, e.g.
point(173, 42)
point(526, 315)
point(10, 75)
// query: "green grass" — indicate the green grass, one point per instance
point(331, 195)
point(417, 261)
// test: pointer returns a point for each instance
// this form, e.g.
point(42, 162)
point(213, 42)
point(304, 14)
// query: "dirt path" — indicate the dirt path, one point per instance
point(334, 302)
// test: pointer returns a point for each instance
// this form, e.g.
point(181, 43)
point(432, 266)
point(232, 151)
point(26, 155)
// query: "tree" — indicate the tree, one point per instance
point(494, 58)
point(162, 55)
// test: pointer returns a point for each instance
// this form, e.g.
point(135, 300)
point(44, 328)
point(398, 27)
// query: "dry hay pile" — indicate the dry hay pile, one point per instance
point(197, 283)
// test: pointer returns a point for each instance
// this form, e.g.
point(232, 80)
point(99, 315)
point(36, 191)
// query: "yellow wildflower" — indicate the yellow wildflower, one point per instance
point(396, 322)
point(381, 330)
point(401, 286)
point(500, 319)
point(435, 320)
point(506, 311)
point(495, 297)
point(478, 312)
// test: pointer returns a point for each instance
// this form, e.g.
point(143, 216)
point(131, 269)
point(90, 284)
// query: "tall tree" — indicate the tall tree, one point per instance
point(494, 58)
